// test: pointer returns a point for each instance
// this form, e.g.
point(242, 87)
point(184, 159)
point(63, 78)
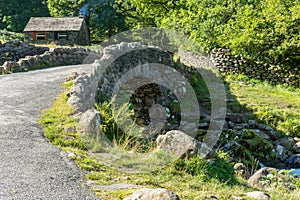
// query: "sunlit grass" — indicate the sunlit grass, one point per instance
point(278, 106)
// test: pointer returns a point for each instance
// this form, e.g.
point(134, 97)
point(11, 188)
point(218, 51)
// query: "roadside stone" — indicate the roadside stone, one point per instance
point(258, 195)
point(71, 155)
point(153, 194)
point(90, 121)
point(11, 66)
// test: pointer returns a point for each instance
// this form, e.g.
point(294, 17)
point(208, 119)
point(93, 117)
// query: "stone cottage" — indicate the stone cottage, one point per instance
point(60, 30)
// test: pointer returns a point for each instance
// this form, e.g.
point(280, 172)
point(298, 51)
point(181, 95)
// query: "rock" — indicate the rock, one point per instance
point(297, 139)
point(258, 176)
point(252, 123)
point(262, 134)
point(235, 117)
point(269, 130)
point(180, 144)
point(24, 44)
point(71, 155)
point(281, 153)
point(296, 147)
point(236, 198)
point(258, 195)
point(11, 66)
point(294, 161)
point(153, 194)
point(286, 142)
point(90, 121)
point(72, 76)
point(241, 169)
point(2, 70)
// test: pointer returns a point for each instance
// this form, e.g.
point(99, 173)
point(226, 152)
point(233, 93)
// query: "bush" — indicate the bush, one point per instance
point(220, 169)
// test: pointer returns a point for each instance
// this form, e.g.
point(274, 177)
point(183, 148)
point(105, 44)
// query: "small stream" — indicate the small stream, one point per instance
point(295, 171)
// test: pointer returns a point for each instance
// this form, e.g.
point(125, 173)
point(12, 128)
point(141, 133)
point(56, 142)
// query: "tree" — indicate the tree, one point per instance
point(107, 19)
point(268, 32)
point(14, 14)
point(103, 17)
point(59, 8)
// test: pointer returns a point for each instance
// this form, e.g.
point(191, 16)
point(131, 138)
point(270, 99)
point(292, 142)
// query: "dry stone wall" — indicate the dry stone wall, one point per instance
point(53, 57)
point(228, 63)
point(14, 50)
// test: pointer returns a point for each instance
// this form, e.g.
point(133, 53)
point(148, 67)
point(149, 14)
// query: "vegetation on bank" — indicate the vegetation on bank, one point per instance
point(8, 36)
point(190, 179)
point(277, 106)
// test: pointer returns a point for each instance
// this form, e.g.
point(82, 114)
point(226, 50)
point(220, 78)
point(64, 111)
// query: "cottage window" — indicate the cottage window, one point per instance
point(62, 36)
point(41, 36)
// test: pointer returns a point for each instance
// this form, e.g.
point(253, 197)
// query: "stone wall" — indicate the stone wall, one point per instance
point(14, 50)
point(54, 57)
point(228, 63)
point(243, 138)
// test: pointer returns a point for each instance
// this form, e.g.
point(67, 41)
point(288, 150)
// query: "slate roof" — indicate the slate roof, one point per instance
point(54, 24)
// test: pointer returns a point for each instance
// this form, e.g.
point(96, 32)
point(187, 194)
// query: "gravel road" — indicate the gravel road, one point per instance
point(31, 168)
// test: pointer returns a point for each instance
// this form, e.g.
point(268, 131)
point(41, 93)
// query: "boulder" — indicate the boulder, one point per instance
point(153, 194)
point(258, 176)
point(258, 195)
point(182, 145)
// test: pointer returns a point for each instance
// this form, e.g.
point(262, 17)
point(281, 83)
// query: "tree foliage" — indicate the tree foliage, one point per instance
point(261, 30)
point(14, 14)
point(60, 8)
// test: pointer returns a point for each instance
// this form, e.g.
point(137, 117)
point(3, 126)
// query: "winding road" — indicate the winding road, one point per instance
point(30, 167)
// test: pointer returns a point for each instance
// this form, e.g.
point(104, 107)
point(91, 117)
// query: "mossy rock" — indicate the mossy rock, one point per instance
point(254, 142)
point(226, 136)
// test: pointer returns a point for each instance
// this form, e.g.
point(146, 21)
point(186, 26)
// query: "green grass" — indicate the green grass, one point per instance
point(277, 106)
point(190, 179)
